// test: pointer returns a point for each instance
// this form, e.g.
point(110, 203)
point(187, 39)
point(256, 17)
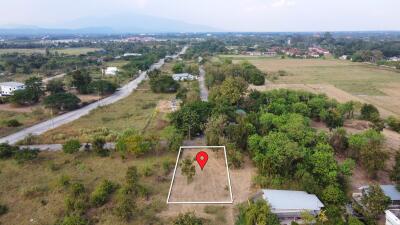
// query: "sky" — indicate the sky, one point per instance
point(226, 15)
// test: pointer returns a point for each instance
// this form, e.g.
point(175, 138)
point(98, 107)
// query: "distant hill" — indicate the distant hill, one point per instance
point(124, 23)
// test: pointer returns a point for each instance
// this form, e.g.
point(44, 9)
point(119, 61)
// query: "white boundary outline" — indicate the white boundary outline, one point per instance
point(227, 170)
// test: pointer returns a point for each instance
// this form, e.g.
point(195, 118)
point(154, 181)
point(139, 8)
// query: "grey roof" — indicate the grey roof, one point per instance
point(12, 83)
point(291, 200)
point(391, 192)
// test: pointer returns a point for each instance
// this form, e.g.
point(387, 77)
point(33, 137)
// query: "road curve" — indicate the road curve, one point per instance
point(58, 121)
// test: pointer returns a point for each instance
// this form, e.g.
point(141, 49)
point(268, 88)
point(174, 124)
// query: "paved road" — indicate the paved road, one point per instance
point(74, 115)
point(203, 88)
point(46, 80)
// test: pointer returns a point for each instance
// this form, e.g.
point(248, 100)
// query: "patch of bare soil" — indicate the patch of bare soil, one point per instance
point(12, 108)
point(164, 106)
point(241, 189)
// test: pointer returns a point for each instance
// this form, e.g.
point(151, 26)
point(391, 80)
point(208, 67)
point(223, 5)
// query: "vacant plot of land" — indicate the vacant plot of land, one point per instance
point(136, 111)
point(27, 116)
point(355, 78)
point(67, 51)
point(208, 185)
point(34, 194)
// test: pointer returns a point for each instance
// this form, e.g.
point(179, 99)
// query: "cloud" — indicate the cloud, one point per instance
point(283, 3)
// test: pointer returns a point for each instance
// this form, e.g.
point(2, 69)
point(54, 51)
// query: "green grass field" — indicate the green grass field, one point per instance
point(355, 78)
point(67, 51)
point(34, 195)
point(136, 111)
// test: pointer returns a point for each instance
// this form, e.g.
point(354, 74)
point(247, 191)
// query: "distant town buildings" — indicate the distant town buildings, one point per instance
point(7, 88)
point(111, 71)
point(288, 205)
point(183, 77)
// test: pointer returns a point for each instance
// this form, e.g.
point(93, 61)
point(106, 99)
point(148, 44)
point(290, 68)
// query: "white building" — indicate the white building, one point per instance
point(288, 205)
point(7, 88)
point(111, 71)
point(183, 77)
point(132, 54)
point(392, 217)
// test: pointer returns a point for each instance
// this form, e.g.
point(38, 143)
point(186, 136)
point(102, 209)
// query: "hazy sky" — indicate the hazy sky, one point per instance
point(229, 15)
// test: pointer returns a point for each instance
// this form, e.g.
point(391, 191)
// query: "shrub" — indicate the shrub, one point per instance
point(74, 220)
point(98, 147)
point(64, 181)
point(25, 155)
point(167, 166)
point(393, 123)
point(13, 123)
point(101, 194)
point(3, 209)
point(164, 84)
point(7, 151)
point(369, 112)
point(71, 146)
point(187, 219)
point(125, 205)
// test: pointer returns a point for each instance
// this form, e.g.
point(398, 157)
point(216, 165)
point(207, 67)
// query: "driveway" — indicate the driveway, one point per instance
point(203, 88)
point(74, 115)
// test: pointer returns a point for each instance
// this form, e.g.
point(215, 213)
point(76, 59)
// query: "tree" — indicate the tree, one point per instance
point(102, 87)
point(34, 86)
point(258, 213)
point(81, 80)
point(333, 119)
point(178, 67)
point(375, 202)
point(71, 146)
point(231, 91)
point(131, 141)
point(164, 84)
point(7, 151)
point(188, 169)
point(55, 86)
point(339, 140)
point(62, 101)
point(395, 174)
point(366, 147)
point(187, 219)
point(215, 129)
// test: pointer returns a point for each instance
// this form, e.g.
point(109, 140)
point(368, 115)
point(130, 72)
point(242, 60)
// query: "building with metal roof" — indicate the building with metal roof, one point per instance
point(7, 88)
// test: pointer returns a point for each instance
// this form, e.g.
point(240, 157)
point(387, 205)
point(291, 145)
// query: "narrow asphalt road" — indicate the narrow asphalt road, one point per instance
point(74, 115)
point(203, 88)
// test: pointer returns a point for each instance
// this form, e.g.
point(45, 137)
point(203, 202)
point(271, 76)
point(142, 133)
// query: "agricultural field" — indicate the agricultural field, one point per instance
point(352, 81)
point(67, 51)
point(137, 111)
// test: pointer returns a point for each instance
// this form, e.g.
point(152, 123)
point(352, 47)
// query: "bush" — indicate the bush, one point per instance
point(187, 219)
point(164, 84)
point(369, 112)
point(393, 123)
point(7, 151)
point(102, 87)
point(3, 210)
point(62, 101)
point(25, 155)
point(125, 205)
point(98, 147)
point(71, 146)
point(101, 194)
point(13, 123)
point(74, 220)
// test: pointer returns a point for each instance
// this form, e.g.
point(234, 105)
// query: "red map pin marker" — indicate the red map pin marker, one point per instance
point(202, 158)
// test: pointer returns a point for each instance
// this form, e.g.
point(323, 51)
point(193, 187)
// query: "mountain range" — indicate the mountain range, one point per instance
point(111, 24)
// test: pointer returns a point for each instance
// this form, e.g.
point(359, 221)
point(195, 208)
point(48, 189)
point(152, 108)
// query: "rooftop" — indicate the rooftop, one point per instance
point(12, 83)
point(291, 200)
point(389, 190)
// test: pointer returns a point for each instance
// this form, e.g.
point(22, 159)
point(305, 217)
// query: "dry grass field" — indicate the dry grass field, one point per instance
point(342, 80)
point(137, 111)
point(34, 195)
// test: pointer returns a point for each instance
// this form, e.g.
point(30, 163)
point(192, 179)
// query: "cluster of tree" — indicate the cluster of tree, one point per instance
point(161, 83)
point(31, 94)
point(43, 63)
point(204, 48)
point(367, 56)
point(83, 82)
point(131, 141)
point(216, 73)
point(181, 67)
point(258, 212)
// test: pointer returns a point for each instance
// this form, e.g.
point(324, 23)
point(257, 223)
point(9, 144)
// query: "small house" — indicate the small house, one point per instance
point(7, 88)
point(288, 205)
